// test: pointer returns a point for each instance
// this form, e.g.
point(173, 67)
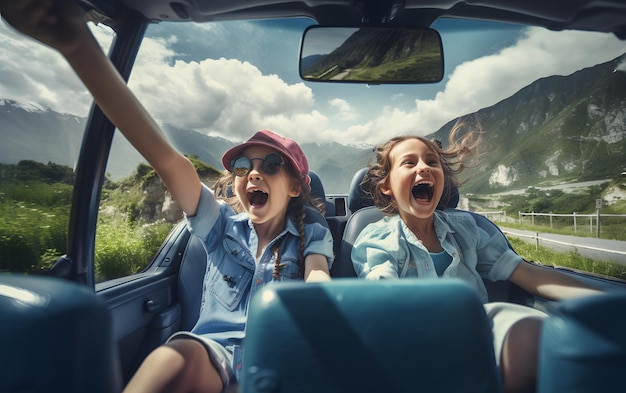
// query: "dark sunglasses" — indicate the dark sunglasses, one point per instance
point(241, 165)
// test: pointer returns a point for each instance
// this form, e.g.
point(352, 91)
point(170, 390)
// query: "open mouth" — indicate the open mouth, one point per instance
point(257, 198)
point(422, 191)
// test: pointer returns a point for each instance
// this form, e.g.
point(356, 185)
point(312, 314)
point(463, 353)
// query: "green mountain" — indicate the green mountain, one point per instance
point(559, 129)
point(390, 55)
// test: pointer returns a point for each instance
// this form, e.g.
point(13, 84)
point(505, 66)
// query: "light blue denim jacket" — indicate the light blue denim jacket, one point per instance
point(233, 276)
point(388, 249)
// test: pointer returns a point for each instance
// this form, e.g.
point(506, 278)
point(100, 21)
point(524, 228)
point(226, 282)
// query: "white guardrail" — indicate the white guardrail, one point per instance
point(537, 238)
point(574, 216)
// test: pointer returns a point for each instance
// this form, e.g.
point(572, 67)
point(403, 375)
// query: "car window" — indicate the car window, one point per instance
point(43, 109)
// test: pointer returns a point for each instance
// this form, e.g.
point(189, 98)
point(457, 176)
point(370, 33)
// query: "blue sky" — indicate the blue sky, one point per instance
point(232, 78)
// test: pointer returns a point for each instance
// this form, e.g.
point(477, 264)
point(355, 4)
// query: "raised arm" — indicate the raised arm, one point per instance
point(549, 283)
point(62, 25)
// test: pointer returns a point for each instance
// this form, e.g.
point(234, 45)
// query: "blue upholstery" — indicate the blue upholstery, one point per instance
point(368, 336)
point(317, 191)
point(583, 346)
point(358, 220)
point(357, 197)
point(55, 336)
point(190, 280)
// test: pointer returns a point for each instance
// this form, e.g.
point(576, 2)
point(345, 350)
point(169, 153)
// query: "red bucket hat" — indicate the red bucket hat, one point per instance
point(285, 146)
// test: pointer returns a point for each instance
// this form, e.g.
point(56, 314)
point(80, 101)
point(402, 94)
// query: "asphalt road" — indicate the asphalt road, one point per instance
point(598, 249)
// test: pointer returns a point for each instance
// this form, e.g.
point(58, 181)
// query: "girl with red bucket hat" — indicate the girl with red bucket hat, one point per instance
point(258, 238)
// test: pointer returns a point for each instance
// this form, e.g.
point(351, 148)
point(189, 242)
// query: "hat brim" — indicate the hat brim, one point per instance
point(286, 147)
point(235, 152)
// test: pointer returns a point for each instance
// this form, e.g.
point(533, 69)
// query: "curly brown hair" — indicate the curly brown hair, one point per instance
point(295, 208)
point(462, 152)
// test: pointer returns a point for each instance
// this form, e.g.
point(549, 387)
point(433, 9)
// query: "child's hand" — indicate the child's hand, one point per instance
point(60, 24)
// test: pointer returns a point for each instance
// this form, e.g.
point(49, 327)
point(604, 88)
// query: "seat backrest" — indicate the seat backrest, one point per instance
point(583, 345)
point(55, 336)
point(317, 191)
point(356, 222)
point(192, 269)
point(369, 336)
point(357, 197)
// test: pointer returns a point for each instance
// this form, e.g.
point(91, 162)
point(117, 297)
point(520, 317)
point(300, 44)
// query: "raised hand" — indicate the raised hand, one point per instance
point(60, 24)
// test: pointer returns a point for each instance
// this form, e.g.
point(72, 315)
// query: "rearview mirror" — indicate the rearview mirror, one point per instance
point(373, 55)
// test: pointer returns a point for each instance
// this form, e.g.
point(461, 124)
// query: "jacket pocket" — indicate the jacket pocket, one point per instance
point(229, 283)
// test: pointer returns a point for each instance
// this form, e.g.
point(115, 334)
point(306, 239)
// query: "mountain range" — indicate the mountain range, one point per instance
point(557, 129)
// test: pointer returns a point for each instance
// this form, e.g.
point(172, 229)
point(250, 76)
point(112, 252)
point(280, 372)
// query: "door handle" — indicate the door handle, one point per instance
point(150, 305)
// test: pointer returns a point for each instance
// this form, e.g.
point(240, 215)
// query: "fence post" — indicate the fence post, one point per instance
point(598, 224)
point(574, 222)
point(537, 240)
point(550, 220)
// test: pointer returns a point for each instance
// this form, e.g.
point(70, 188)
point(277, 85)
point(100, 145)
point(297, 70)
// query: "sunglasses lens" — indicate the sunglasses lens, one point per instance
point(241, 166)
point(272, 163)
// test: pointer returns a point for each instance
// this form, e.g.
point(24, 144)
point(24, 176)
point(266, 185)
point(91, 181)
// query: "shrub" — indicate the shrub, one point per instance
point(123, 248)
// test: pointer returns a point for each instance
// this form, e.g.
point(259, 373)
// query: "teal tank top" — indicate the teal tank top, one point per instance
point(441, 260)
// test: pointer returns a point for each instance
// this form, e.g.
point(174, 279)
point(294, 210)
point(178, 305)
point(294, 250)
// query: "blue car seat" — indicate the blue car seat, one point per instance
point(368, 336)
point(55, 336)
point(583, 346)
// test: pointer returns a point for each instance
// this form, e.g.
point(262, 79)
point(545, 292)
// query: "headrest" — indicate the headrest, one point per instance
point(357, 197)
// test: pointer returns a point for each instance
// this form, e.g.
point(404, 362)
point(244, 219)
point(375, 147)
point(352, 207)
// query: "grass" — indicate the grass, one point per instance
point(123, 248)
point(573, 260)
point(34, 211)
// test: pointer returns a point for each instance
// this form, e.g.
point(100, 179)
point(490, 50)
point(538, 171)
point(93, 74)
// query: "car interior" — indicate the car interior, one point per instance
point(69, 333)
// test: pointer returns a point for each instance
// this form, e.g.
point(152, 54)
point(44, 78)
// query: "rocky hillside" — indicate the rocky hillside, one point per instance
point(558, 129)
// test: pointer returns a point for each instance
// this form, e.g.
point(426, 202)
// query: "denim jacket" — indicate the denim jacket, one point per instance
point(389, 249)
point(233, 276)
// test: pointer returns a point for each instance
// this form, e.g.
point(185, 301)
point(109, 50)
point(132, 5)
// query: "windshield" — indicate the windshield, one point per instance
point(228, 79)
point(552, 106)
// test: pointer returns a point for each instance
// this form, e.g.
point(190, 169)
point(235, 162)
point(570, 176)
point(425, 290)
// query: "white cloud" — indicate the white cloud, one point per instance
point(485, 81)
point(234, 98)
point(622, 65)
point(226, 97)
point(345, 110)
point(23, 79)
point(54, 85)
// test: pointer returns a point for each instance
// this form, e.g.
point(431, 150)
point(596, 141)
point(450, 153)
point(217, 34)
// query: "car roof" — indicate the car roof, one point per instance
point(592, 15)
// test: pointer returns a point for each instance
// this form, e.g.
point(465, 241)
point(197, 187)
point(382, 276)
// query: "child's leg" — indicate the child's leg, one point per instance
point(178, 366)
point(520, 356)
